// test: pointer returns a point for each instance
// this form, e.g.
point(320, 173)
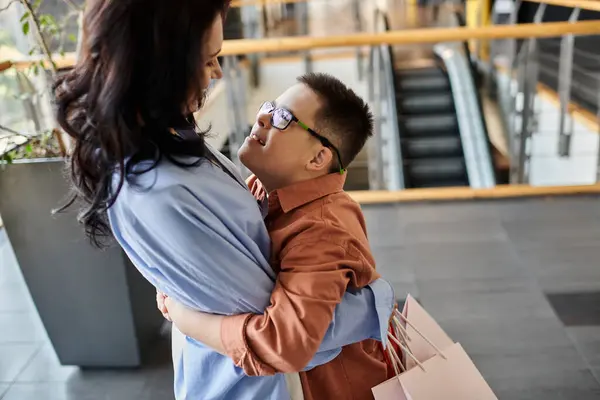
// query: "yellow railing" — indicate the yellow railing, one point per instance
point(402, 37)
point(591, 5)
point(466, 193)
point(246, 3)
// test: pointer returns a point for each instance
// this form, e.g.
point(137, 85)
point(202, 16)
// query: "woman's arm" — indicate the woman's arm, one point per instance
point(297, 325)
point(203, 327)
point(187, 250)
point(200, 263)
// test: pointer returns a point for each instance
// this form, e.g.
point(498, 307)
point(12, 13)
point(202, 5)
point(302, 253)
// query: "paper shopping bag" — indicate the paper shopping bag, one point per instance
point(419, 319)
point(450, 375)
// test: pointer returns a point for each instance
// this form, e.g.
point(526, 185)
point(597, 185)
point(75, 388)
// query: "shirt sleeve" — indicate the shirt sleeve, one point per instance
point(314, 278)
point(192, 254)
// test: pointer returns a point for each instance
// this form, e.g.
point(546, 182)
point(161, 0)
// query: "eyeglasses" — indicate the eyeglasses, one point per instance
point(281, 118)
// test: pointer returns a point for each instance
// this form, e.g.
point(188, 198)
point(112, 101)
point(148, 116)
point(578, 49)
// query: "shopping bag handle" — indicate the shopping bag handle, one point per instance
point(403, 318)
point(395, 359)
point(405, 349)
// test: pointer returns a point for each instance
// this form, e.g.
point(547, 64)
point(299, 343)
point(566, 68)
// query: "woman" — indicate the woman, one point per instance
point(178, 208)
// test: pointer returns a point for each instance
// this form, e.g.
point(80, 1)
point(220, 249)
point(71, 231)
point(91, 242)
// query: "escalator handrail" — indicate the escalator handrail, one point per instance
point(475, 76)
point(388, 60)
point(475, 143)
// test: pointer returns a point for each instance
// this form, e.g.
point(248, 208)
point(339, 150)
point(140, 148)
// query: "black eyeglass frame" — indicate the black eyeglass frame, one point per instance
point(324, 141)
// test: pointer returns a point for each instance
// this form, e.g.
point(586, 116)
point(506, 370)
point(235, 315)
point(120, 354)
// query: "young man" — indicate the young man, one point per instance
point(298, 150)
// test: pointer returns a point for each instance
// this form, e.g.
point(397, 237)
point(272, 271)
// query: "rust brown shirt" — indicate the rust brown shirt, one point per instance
point(319, 250)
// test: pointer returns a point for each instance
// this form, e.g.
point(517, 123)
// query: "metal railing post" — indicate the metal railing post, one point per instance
point(375, 144)
point(305, 29)
point(236, 97)
point(512, 53)
point(565, 77)
point(525, 101)
point(598, 120)
point(358, 26)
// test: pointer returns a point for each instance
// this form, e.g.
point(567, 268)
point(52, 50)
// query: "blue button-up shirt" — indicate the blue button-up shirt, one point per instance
point(198, 235)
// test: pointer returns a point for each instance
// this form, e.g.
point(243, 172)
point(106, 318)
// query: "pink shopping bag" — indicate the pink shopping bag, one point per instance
point(428, 364)
point(449, 378)
point(429, 329)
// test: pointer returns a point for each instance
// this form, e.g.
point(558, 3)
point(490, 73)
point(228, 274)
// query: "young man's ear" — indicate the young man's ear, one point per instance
point(321, 160)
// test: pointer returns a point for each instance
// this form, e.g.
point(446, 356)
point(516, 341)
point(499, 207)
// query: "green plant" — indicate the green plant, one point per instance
point(50, 38)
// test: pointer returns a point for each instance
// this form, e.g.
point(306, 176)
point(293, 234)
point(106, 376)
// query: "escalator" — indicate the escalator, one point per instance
point(430, 137)
point(433, 132)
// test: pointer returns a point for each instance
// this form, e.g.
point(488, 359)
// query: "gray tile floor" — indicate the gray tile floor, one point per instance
point(484, 270)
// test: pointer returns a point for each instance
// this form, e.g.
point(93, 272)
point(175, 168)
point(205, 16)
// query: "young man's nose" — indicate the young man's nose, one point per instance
point(264, 120)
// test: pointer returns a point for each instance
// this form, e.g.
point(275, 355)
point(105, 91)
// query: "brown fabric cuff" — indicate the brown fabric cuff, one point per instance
point(235, 341)
point(233, 335)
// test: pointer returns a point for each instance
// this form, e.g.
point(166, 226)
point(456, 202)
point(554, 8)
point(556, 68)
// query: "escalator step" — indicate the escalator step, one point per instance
point(445, 146)
point(413, 73)
point(435, 171)
point(429, 125)
point(427, 103)
point(435, 84)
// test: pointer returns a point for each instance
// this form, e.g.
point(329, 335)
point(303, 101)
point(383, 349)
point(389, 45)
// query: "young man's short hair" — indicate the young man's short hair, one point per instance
point(344, 117)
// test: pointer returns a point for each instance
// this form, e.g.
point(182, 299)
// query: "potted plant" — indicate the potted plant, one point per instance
point(97, 309)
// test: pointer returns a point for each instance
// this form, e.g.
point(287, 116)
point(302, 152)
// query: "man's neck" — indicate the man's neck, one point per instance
point(271, 186)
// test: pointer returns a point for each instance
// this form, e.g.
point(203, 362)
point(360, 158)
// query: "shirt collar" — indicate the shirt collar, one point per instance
point(301, 193)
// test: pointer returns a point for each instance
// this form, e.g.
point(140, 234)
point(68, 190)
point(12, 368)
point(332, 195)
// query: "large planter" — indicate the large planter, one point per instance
point(96, 307)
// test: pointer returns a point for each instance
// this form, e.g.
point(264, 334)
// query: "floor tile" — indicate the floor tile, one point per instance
point(45, 367)
point(401, 290)
point(159, 386)
point(21, 327)
point(564, 385)
point(10, 275)
point(484, 306)
point(596, 373)
point(66, 391)
point(14, 358)
point(3, 389)
point(448, 212)
point(576, 309)
point(587, 341)
point(544, 233)
point(531, 365)
point(85, 385)
point(549, 209)
point(565, 267)
point(467, 285)
point(15, 299)
point(382, 236)
point(395, 263)
point(466, 261)
point(44, 391)
point(475, 231)
point(384, 226)
point(509, 337)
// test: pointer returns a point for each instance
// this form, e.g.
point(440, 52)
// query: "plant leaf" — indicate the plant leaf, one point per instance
point(24, 16)
point(28, 149)
point(25, 28)
point(7, 158)
point(72, 37)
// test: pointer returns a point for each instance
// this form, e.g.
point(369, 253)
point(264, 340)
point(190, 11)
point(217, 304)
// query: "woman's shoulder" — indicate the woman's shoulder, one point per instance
point(204, 183)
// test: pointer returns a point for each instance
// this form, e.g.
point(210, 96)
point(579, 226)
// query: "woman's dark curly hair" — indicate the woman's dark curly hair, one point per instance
point(141, 63)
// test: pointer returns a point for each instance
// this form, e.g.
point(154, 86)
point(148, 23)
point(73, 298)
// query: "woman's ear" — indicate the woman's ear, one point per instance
point(321, 160)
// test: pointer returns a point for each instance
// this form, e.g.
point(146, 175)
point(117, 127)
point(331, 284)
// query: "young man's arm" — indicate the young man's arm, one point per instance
point(313, 280)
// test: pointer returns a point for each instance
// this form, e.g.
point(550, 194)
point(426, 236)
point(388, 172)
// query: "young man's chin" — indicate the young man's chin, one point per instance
point(245, 156)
